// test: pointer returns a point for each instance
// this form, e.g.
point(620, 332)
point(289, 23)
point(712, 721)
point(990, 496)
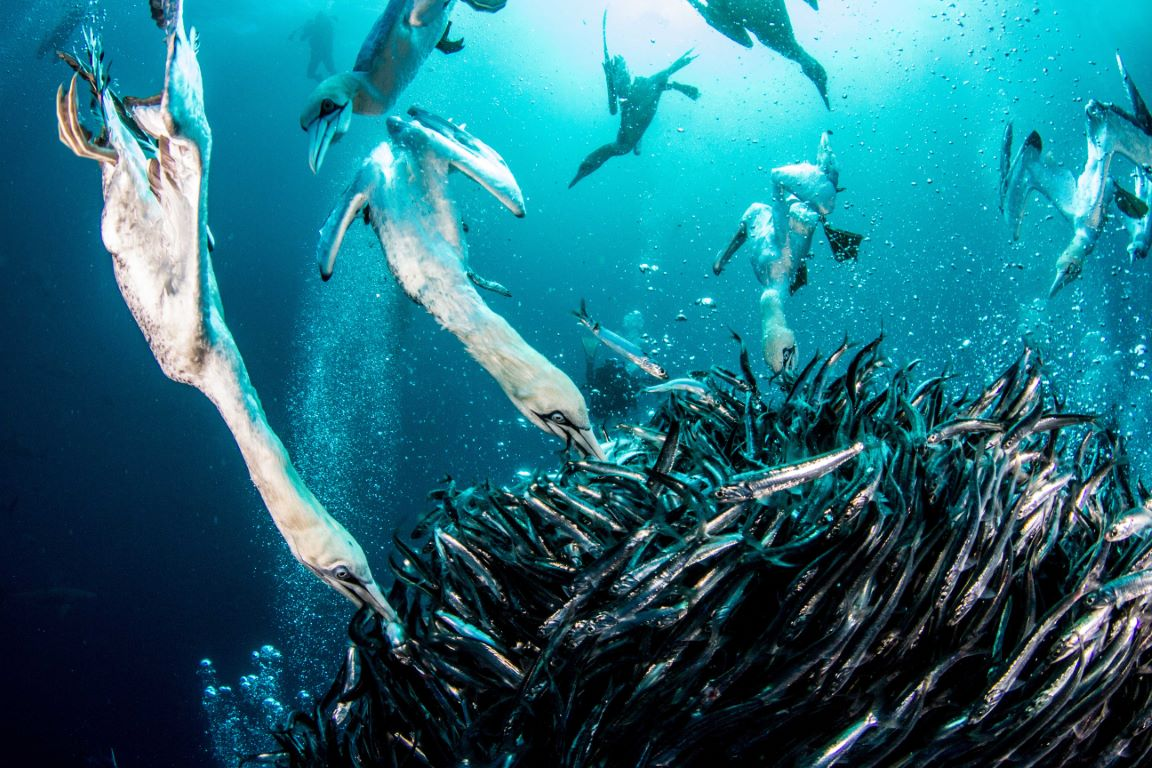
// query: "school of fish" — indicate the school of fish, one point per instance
point(848, 569)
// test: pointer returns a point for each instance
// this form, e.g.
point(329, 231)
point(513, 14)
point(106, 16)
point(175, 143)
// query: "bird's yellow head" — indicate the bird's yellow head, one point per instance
point(552, 402)
point(330, 552)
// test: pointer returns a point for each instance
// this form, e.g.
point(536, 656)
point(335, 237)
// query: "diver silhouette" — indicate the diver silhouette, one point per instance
point(319, 33)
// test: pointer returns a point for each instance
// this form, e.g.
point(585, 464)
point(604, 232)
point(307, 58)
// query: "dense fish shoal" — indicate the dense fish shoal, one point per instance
point(845, 567)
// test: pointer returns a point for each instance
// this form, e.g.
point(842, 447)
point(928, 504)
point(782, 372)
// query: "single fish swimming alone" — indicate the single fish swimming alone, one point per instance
point(620, 345)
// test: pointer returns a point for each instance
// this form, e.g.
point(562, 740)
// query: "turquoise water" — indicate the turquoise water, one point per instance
point(125, 488)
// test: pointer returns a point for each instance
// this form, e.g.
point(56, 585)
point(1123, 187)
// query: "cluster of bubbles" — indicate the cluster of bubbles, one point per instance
point(241, 716)
point(341, 409)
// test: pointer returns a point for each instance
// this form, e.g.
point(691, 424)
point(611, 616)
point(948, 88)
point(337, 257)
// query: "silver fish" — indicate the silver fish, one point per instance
point(763, 483)
point(620, 345)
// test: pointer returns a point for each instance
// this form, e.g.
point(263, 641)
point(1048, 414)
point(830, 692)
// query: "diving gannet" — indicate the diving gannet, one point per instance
point(1083, 200)
point(768, 20)
point(780, 235)
point(636, 99)
point(1140, 229)
point(401, 190)
point(154, 227)
point(389, 58)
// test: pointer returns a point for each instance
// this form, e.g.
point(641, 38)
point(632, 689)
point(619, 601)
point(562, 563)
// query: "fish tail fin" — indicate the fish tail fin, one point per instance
point(582, 316)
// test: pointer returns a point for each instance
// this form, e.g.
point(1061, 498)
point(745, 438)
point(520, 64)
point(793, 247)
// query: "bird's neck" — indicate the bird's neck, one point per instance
point(427, 254)
point(487, 337)
point(367, 99)
point(294, 509)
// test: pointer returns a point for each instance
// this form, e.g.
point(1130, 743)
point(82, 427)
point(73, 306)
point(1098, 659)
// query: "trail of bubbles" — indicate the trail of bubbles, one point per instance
point(344, 428)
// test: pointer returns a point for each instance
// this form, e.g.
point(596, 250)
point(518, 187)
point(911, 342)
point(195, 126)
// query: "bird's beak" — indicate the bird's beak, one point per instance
point(580, 173)
point(1064, 275)
point(370, 595)
point(325, 130)
point(587, 443)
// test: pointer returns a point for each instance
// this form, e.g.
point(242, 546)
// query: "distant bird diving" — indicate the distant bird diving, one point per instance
point(768, 20)
point(402, 192)
point(636, 99)
point(1084, 200)
point(389, 59)
point(780, 238)
point(154, 162)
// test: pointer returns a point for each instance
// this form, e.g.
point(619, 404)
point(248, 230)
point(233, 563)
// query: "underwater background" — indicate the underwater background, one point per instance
point(135, 543)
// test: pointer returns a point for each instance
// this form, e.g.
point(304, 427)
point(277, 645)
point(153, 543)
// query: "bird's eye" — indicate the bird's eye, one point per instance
point(327, 106)
point(343, 574)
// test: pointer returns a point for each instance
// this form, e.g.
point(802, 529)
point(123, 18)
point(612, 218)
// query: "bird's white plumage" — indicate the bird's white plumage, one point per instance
point(154, 227)
point(404, 184)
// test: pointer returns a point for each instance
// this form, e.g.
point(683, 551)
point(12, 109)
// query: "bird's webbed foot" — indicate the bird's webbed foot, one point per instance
point(487, 6)
point(92, 69)
point(72, 133)
point(447, 45)
point(685, 59)
point(690, 91)
point(845, 244)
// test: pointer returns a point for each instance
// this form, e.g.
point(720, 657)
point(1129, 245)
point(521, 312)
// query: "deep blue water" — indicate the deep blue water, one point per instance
point(119, 483)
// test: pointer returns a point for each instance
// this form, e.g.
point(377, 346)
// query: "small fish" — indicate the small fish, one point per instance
point(843, 743)
point(1080, 633)
point(620, 345)
point(1130, 523)
point(746, 364)
point(668, 454)
point(763, 483)
point(962, 427)
point(1121, 590)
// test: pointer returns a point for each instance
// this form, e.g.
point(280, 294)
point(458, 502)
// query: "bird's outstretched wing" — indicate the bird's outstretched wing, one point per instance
point(463, 151)
point(1030, 171)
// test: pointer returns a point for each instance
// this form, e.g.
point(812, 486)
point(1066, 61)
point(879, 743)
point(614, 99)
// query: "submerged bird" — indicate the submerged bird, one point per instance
point(768, 20)
point(636, 99)
point(780, 238)
point(154, 226)
point(402, 192)
point(389, 59)
point(1083, 200)
point(1140, 229)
